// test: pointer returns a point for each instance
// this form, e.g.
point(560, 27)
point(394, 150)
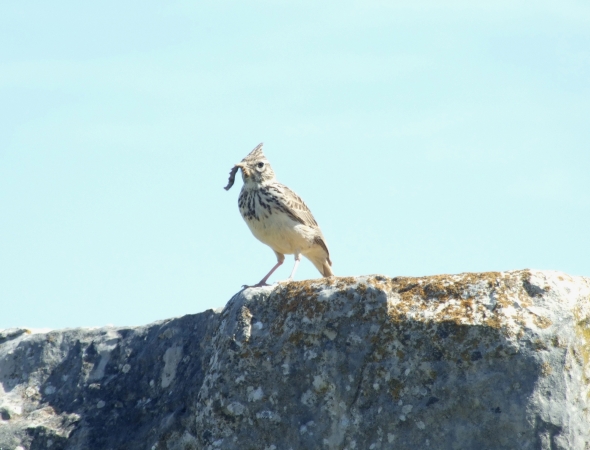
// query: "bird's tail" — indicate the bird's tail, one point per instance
point(320, 257)
point(326, 269)
point(322, 263)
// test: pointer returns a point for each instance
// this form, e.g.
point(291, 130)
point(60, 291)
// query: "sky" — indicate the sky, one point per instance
point(426, 137)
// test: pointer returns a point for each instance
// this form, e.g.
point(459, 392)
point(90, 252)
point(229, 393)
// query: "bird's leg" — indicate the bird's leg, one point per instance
point(263, 281)
point(297, 259)
point(280, 260)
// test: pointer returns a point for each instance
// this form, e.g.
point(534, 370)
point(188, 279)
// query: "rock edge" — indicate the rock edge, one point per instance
point(488, 360)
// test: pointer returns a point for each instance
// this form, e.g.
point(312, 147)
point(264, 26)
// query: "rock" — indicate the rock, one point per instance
point(106, 388)
point(489, 361)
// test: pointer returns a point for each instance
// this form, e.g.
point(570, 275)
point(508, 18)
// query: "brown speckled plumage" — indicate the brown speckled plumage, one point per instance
point(277, 216)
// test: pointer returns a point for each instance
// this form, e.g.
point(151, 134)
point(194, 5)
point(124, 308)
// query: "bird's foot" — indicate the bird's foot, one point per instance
point(261, 284)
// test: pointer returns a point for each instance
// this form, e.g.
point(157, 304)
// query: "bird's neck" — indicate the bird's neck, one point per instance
point(255, 185)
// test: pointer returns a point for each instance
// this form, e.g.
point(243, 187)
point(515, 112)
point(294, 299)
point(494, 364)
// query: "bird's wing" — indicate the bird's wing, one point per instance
point(292, 205)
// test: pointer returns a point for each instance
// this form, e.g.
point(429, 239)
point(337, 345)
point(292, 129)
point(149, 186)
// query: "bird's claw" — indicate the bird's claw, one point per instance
point(246, 286)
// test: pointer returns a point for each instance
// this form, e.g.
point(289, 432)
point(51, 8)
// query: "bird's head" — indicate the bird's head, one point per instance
point(255, 168)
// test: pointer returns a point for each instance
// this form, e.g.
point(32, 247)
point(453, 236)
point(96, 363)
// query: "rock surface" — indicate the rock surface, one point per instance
point(488, 361)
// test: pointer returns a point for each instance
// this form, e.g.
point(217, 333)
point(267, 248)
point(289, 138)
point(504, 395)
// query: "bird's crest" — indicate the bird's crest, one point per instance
point(255, 154)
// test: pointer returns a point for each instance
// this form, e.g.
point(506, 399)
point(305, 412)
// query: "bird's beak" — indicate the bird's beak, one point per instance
point(244, 168)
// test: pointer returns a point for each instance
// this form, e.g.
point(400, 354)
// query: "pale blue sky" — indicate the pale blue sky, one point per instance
point(427, 137)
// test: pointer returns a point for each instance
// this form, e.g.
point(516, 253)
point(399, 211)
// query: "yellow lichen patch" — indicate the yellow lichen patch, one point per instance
point(380, 282)
point(546, 369)
point(302, 297)
point(361, 288)
point(493, 299)
point(539, 345)
point(444, 307)
point(344, 282)
point(530, 289)
point(582, 330)
point(541, 322)
point(555, 341)
point(297, 298)
point(493, 321)
point(330, 281)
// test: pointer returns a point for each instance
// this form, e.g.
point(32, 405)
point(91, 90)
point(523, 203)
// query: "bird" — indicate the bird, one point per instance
point(278, 217)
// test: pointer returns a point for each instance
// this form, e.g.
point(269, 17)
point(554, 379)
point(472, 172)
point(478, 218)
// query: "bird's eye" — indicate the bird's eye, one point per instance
point(260, 165)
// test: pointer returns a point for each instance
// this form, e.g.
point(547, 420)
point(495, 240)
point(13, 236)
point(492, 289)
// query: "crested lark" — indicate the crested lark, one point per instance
point(277, 216)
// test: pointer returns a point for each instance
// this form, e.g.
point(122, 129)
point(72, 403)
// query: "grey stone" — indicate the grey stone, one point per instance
point(488, 361)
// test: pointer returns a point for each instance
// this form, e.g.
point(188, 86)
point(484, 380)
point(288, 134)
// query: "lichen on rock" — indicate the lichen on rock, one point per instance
point(491, 360)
